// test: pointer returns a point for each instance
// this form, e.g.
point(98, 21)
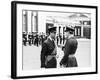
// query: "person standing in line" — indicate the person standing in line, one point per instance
point(49, 50)
point(30, 38)
point(60, 36)
point(57, 38)
point(37, 40)
point(63, 39)
point(24, 38)
point(70, 47)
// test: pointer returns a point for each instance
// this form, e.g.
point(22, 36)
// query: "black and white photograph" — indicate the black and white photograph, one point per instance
point(53, 39)
point(56, 37)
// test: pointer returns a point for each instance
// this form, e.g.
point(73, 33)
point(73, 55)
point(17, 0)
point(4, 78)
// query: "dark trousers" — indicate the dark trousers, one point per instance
point(30, 42)
point(24, 42)
point(52, 63)
point(57, 42)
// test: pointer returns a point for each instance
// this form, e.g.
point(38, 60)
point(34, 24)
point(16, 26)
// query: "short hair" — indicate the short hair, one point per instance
point(51, 31)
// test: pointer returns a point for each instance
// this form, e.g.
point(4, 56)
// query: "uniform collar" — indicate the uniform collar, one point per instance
point(51, 38)
point(70, 36)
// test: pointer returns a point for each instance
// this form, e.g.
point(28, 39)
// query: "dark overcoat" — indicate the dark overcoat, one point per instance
point(47, 49)
point(69, 49)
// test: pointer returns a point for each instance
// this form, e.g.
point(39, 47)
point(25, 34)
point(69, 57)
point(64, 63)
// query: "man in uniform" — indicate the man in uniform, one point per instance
point(69, 49)
point(24, 38)
point(37, 40)
point(49, 51)
point(63, 38)
point(60, 36)
point(30, 38)
point(57, 38)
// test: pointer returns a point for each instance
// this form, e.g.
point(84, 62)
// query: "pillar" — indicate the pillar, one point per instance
point(24, 23)
point(29, 13)
point(82, 29)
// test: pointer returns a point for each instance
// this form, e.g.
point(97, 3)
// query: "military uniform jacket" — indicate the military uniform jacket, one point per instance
point(69, 49)
point(47, 49)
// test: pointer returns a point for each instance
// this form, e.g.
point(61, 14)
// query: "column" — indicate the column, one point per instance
point(24, 23)
point(36, 19)
point(82, 29)
point(29, 13)
point(33, 22)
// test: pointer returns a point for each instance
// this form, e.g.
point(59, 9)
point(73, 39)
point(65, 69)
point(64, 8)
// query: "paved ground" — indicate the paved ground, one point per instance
point(31, 55)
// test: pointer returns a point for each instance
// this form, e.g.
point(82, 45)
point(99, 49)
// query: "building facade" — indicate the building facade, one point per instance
point(37, 21)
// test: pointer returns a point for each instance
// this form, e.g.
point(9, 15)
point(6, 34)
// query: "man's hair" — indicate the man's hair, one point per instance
point(51, 31)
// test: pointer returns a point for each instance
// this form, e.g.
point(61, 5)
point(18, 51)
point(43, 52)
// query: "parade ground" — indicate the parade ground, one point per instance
point(31, 55)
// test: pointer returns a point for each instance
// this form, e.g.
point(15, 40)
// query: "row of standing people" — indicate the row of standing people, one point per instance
point(33, 39)
point(36, 39)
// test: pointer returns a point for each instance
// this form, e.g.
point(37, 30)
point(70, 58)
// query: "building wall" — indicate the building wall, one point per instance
point(34, 21)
